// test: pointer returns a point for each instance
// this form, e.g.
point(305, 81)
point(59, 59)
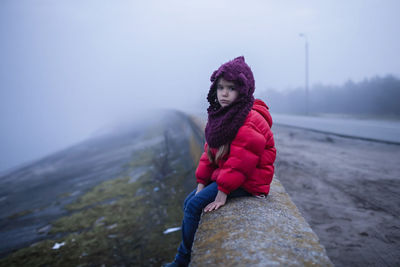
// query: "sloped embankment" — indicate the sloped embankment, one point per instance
point(118, 221)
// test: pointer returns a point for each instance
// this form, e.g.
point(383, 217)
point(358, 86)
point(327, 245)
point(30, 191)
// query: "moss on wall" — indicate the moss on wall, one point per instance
point(257, 232)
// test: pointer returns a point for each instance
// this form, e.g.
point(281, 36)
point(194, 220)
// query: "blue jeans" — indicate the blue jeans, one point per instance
point(192, 208)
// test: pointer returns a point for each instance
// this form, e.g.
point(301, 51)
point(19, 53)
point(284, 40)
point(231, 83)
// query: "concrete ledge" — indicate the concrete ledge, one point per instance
point(257, 232)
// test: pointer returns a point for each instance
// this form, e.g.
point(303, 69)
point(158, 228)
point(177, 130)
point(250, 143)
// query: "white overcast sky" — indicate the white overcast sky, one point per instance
point(69, 67)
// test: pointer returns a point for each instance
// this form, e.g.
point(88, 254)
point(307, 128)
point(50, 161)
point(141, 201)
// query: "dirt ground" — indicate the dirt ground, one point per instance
point(347, 189)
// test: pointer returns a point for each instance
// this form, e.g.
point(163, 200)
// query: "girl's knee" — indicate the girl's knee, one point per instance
point(193, 208)
point(188, 198)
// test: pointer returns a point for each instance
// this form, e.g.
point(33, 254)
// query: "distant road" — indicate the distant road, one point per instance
point(379, 130)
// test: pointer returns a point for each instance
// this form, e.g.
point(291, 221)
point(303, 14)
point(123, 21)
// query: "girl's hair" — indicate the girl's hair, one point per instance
point(222, 151)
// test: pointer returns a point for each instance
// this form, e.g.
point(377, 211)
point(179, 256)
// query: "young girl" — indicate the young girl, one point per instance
point(239, 152)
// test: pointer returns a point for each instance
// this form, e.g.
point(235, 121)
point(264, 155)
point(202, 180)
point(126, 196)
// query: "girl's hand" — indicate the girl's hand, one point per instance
point(199, 188)
point(219, 201)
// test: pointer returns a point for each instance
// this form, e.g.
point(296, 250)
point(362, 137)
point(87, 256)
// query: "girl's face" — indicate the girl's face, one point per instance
point(226, 92)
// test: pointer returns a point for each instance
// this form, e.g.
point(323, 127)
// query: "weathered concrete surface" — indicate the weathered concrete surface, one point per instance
point(257, 232)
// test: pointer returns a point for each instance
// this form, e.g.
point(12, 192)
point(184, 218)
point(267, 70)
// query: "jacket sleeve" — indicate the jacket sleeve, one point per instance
point(245, 152)
point(204, 169)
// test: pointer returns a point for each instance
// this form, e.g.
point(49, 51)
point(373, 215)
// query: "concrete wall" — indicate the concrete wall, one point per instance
point(257, 232)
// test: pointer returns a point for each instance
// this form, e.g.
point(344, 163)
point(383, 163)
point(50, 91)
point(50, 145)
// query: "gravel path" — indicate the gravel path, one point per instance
point(348, 190)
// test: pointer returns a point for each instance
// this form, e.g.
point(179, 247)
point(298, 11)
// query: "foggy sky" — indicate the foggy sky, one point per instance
point(69, 68)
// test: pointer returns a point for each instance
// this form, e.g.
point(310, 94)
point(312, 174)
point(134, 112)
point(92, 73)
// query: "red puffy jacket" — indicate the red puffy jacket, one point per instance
point(250, 162)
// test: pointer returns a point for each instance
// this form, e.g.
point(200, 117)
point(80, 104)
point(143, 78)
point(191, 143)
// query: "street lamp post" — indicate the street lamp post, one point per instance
point(306, 69)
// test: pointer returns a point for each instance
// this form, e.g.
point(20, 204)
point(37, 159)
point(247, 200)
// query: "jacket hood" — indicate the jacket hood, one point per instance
point(263, 109)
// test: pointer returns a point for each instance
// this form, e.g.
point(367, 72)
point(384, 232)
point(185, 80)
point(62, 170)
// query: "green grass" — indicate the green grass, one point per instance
point(118, 223)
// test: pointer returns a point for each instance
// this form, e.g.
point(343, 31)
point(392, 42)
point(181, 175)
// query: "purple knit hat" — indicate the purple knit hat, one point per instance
point(224, 122)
